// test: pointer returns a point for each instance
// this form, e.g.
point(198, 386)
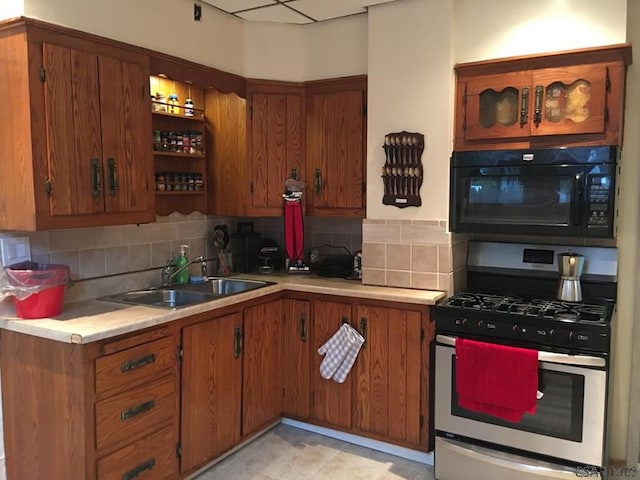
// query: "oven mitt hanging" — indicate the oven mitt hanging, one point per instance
point(340, 353)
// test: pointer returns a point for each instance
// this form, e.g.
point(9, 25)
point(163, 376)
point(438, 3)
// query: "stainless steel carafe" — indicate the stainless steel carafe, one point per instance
point(570, 266)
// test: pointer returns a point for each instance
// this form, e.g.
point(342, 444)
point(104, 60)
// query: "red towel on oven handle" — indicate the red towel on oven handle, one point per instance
point(498, 380)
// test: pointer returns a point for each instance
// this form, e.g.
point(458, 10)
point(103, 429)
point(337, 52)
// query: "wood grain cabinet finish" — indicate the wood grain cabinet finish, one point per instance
point(58, 426)
point(568, 98)
point(331, 401)
point(387, 393)
point(336, 147)
point(387, 374)
point(296, 362)
point(211, 389)
point(82, 151)
point(262, 366)
point(275, 130)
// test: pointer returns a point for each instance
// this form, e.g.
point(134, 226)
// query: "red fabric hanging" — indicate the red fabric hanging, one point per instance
point(293, 229)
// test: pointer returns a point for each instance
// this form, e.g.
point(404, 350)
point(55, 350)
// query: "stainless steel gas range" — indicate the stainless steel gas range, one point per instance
point(510, 300)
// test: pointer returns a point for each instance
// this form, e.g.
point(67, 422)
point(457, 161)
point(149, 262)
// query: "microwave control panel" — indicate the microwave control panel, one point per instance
point(600, 192)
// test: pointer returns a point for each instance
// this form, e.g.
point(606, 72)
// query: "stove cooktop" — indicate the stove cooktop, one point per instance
point(531, 322)
point(533, 307)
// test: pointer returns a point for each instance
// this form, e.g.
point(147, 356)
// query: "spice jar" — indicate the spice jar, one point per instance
point(161, 102)
point(173, 104)
point(188, 108)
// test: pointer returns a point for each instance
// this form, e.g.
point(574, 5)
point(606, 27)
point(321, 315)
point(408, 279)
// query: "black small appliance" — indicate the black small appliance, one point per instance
point(554, 191)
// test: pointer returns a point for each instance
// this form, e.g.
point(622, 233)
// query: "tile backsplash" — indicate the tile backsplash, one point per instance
point(418, 254)
point(105, 260)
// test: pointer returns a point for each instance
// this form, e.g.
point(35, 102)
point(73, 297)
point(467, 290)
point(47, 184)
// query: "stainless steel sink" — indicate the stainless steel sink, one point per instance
point(227, 286)
point(178, 296)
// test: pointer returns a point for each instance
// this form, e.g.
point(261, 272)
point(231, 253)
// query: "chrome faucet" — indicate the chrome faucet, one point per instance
point(168, 275)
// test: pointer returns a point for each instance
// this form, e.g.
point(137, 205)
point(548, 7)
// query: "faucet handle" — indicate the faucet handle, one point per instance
point(203, 268)
point(166, 271)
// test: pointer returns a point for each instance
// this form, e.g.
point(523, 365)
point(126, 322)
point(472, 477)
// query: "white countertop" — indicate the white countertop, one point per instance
point(93, 320)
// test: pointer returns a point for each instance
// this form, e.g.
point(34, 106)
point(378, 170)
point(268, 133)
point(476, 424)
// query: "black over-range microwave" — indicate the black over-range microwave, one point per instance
point(566, 191)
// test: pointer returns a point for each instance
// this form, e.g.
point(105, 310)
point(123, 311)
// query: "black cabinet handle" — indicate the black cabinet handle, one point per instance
point(524, 107)
point(96, 184)
point(537, 113)
point(113, 176)
point(237, 343)
point(303, 327)
point(137, 470)
point(137, 363)
point(137, 410)
point(363, 330)
point(318, 181)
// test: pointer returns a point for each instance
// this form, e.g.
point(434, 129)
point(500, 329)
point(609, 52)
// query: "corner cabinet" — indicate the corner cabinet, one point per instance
point(275, 131)
point(336, 112)
point(81, 151)
point(568, 98)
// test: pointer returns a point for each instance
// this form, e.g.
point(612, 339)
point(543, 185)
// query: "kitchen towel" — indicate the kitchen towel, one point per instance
point(340, 353)
point(293, 229)
point(498, 380)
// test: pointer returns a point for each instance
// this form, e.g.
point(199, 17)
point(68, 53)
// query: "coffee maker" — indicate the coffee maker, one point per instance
point(570, 266)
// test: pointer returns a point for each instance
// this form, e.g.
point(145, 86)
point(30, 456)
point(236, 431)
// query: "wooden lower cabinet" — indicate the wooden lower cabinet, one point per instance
point(331, 401)
point(387, 393)
point(125, 408)
point(387, 374)
point(296, 351)
point(262, 366)
point(211, 389)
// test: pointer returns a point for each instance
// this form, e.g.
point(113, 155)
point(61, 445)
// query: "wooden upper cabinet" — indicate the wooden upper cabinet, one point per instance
point(569, 98)
point(83, 126)
point(275, 130)
point(336, 147)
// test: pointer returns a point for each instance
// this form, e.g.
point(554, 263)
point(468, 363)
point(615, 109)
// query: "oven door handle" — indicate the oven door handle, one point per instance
point(551, 357)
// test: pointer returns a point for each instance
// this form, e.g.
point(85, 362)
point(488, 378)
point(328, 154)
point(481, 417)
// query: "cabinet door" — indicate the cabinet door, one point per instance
point(336, 131)
point(497, 106)
point(296, 359)
point(126, 137)
point(331, 400)
point(211, 389)
point(387, 374)
point(569, 100)
point(74, 142)
point(276, 148)
point(98, 135)
point(262, 373)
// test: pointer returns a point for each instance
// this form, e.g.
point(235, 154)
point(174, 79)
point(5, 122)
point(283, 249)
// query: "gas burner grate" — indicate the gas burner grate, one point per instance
point(537, 307)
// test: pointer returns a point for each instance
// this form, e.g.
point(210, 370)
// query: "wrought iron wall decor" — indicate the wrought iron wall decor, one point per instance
point(402, 170)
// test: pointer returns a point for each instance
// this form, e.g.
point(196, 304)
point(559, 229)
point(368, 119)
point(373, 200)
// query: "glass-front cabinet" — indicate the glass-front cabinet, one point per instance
point(530, 101)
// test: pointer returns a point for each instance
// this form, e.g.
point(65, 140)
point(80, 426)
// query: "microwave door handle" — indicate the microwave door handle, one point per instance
point(577, 204)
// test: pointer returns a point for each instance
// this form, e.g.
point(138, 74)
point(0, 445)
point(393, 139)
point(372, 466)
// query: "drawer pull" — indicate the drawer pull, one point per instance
point(137, 470)
point(132, 412)
point(137, 363)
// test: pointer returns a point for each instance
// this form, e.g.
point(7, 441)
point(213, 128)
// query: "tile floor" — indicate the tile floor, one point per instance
point(289, 453)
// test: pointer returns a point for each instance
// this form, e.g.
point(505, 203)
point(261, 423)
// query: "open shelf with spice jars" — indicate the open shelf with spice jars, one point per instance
point(178, 146)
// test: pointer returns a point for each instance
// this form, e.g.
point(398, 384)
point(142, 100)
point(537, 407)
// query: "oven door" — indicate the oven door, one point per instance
point(569, 421)
point(526, 199)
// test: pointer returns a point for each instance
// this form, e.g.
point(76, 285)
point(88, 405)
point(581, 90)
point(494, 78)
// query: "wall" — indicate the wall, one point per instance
point(11, 8)
point(163, 25)
point(628, 332)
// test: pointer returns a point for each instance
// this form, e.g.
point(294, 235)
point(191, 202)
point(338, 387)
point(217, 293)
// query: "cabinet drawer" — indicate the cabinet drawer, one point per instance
point(135, 366)
point(133, 414)
point(151, 458)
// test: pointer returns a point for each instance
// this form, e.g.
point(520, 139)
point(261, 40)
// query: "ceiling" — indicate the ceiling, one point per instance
point(298, 12)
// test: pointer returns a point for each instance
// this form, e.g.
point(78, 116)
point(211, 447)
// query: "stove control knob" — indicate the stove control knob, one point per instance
point(480, 324)
point(465, 323)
